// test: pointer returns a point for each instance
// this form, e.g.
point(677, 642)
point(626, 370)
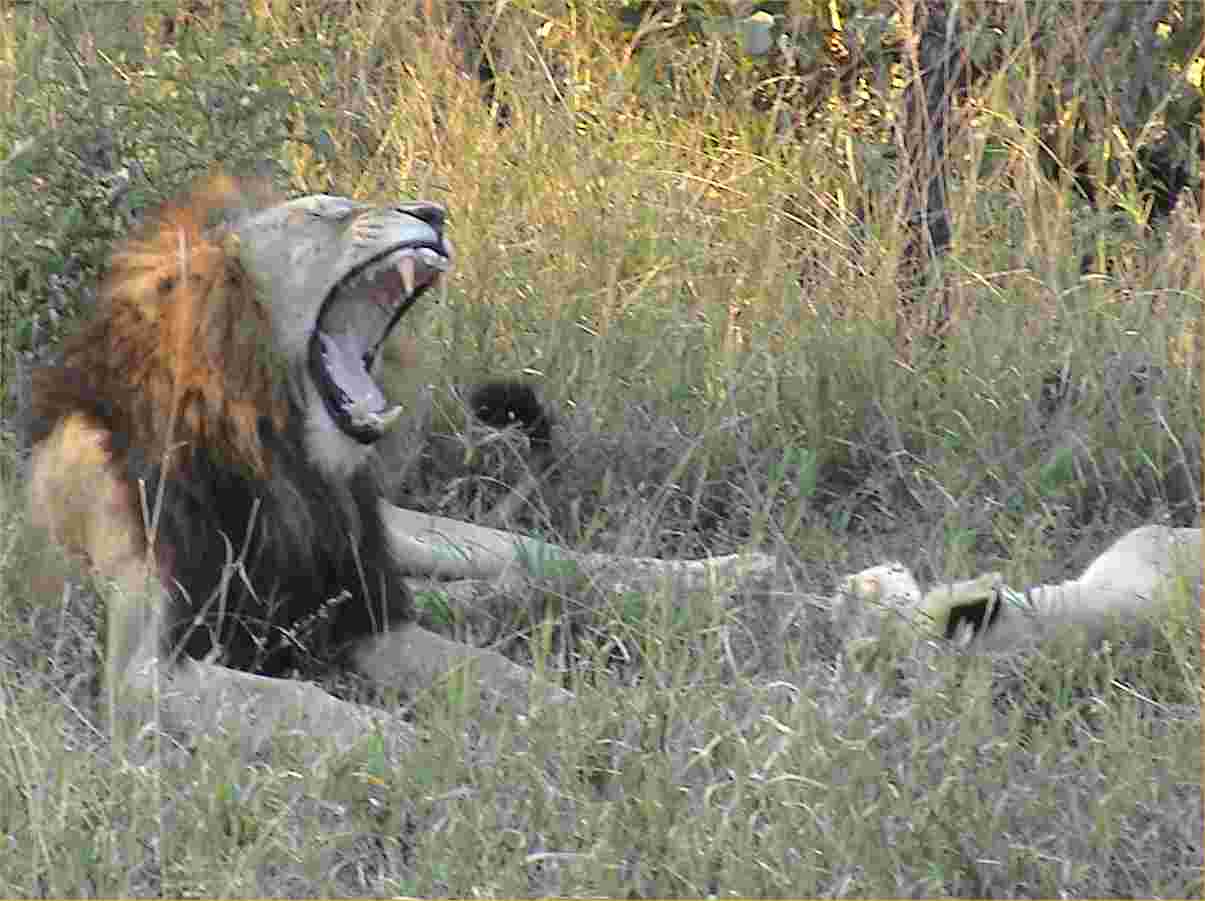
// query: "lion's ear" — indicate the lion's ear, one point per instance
point(224, 200)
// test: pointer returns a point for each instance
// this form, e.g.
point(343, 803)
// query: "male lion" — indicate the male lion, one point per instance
point(205, 444)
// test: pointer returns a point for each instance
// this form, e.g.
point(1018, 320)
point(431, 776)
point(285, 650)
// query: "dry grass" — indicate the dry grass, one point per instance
point(637, 250)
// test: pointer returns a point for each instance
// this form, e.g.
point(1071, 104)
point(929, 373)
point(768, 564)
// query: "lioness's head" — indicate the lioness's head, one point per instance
point(337, 276)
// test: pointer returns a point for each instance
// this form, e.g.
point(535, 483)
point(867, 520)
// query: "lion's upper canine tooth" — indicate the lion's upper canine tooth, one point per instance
point(416, 266)
point(405, 268)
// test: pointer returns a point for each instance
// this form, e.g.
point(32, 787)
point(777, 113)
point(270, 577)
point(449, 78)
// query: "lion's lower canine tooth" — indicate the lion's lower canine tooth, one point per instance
point(433, 260)
point(389, 418)
point(405, 268)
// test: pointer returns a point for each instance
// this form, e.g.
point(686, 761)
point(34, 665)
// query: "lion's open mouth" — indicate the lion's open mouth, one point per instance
point(356, 318)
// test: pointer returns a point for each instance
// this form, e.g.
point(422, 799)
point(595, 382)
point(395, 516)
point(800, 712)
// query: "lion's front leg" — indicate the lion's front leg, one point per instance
point(144, 687)
point(78, 499)
point(77, 496)
point(414, 659)
point(197, 698)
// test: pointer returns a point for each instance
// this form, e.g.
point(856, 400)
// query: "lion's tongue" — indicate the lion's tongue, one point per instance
point(362, 400)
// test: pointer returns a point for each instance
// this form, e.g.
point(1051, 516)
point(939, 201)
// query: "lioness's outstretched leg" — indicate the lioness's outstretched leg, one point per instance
point(415, 659)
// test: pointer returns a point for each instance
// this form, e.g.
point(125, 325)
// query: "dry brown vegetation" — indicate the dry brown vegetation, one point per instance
point(707, 299)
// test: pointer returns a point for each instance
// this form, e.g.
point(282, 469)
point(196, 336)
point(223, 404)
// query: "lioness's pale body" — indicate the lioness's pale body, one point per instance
point(1133, 578)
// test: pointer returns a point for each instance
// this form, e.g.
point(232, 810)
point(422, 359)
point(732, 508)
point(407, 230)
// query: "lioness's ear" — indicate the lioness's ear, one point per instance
point(977, 616)
point(952, 607)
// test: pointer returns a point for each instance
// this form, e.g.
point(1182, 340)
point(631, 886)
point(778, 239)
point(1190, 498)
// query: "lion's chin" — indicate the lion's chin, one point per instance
point(330, 448)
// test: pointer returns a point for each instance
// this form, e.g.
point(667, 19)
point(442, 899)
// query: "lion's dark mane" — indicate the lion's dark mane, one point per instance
point(316, 573)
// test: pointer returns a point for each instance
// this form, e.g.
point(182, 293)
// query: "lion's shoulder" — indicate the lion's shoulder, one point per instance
point(80, 497)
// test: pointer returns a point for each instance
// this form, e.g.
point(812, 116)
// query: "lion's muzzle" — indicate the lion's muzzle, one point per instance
point(364, 306)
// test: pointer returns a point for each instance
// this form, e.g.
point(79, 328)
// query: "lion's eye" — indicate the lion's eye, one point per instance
point(332, 212)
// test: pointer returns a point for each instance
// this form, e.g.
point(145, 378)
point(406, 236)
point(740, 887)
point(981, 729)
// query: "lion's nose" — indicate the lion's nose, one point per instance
point(431, 213)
